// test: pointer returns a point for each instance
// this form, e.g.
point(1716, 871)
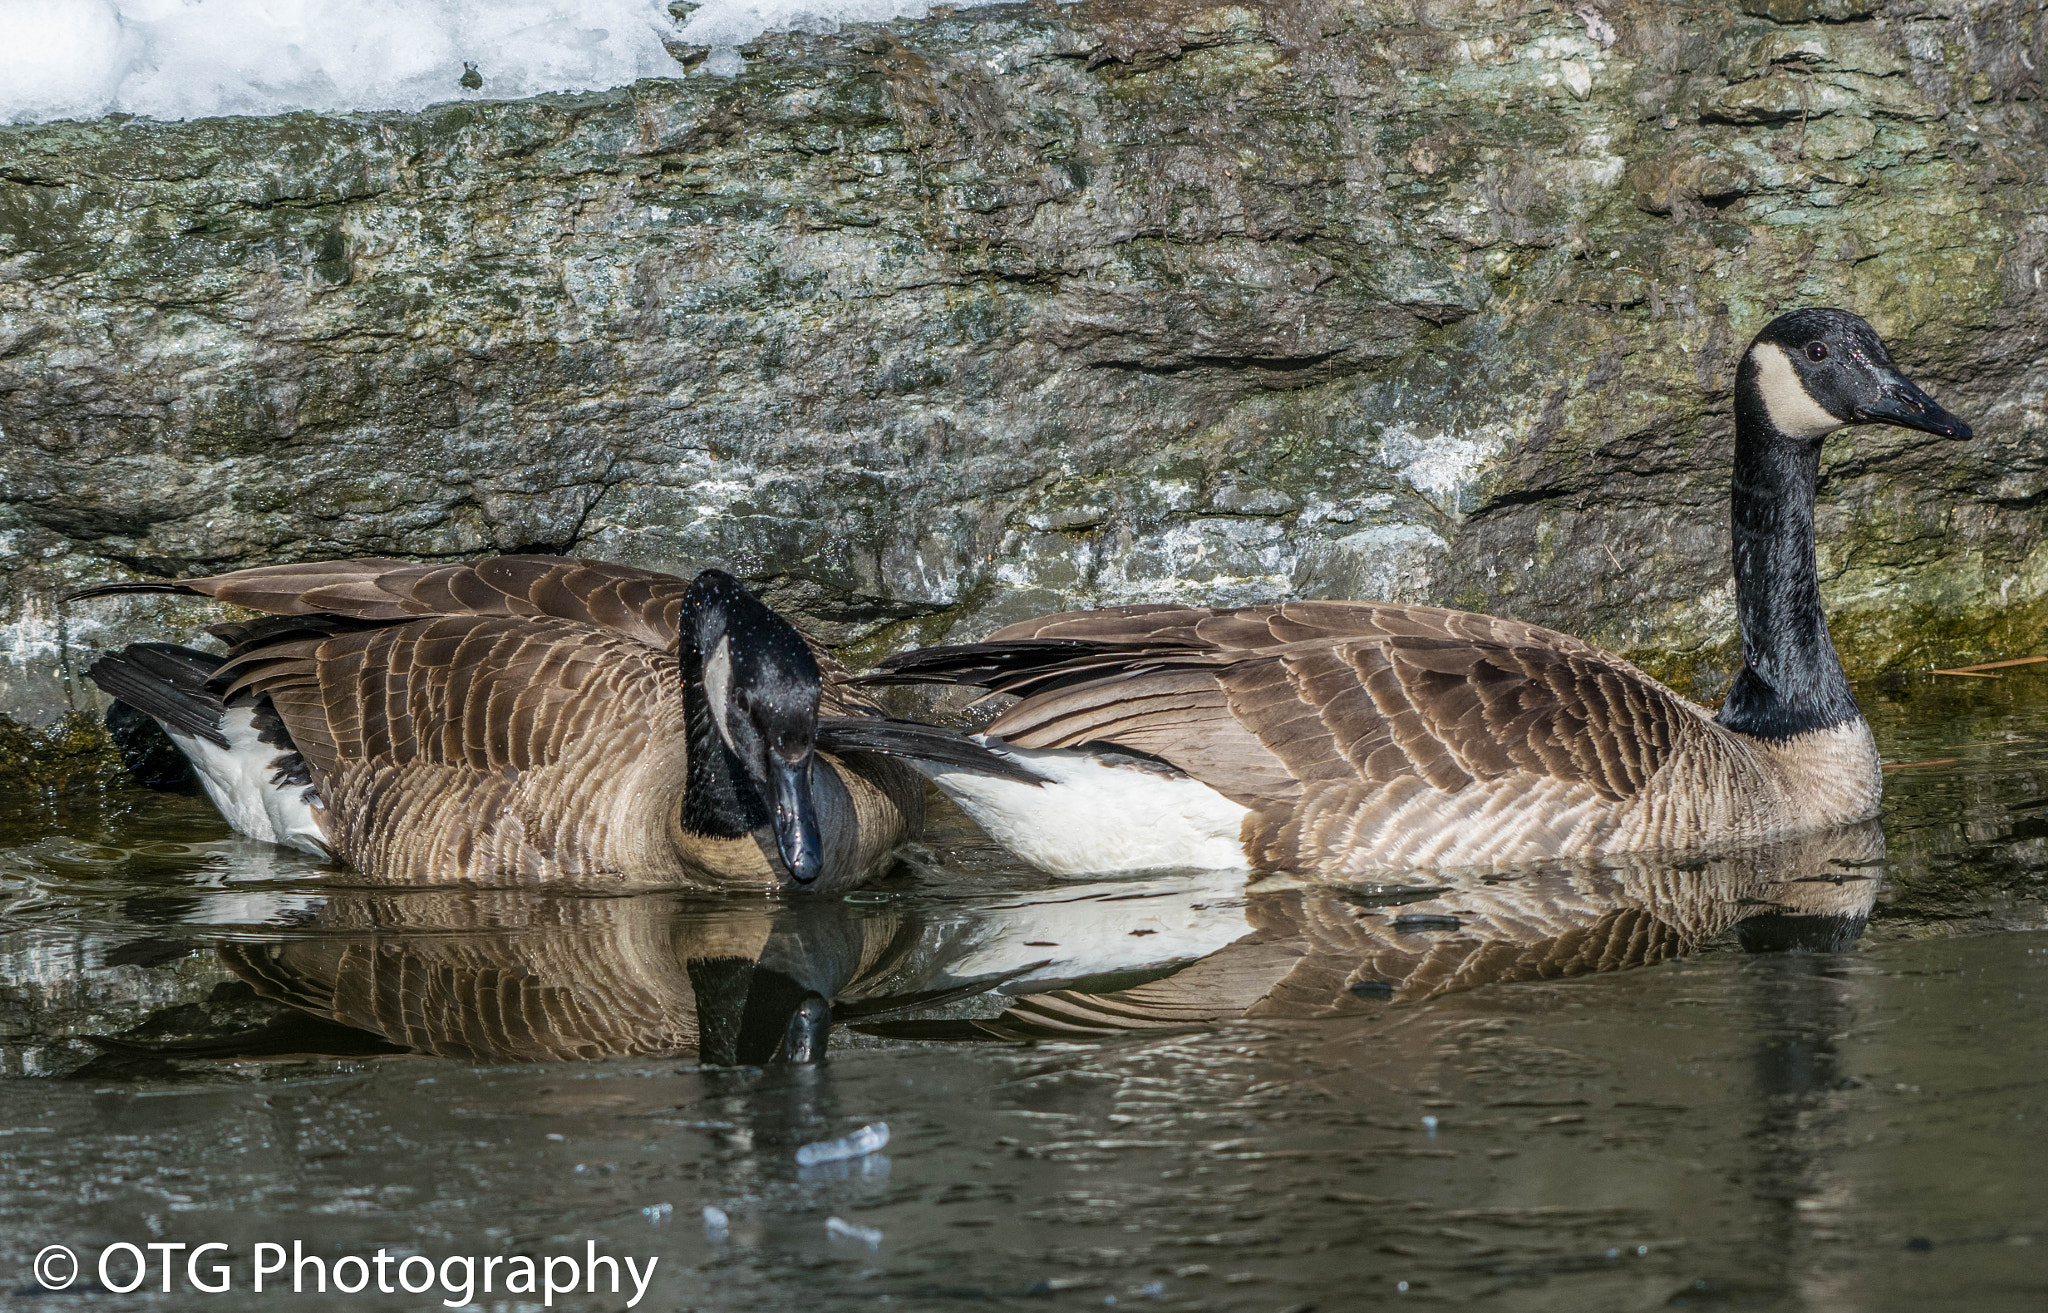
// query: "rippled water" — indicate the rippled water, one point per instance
point(1808, 1077)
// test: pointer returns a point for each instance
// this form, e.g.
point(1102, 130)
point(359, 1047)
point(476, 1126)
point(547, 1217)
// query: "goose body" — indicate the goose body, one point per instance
point(1360, 736)
point(532, 721)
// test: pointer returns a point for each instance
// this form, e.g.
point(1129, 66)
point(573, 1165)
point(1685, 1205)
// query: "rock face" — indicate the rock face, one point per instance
point(932, 326)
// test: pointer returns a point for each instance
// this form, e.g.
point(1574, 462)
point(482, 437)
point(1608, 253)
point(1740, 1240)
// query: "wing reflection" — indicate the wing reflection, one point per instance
point(1319, 949)
point(503, 976)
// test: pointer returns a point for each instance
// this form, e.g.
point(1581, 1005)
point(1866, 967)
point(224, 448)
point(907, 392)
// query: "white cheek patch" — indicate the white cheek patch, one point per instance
point(1786, 400)
point(718, 689)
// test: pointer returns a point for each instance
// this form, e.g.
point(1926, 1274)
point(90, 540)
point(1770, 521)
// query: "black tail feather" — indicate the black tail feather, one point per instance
point(167, 683)
point(130, 586)
point(245, 636)
point(983, 665)
point(1025, 666)
point(927, 743)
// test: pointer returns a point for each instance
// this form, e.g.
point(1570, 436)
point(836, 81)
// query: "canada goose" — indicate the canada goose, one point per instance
point(1315, 948)
point(533, 720)
point(1354, 736)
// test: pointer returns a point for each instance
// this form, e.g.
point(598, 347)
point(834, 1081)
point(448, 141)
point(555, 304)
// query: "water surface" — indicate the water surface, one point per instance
point(1807, 1077)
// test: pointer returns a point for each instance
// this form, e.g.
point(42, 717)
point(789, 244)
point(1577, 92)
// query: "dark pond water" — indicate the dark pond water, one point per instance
point(1809, 1077)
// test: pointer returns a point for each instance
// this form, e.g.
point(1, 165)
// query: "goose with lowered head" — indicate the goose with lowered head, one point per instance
point(1357, 736)
point(534, 720)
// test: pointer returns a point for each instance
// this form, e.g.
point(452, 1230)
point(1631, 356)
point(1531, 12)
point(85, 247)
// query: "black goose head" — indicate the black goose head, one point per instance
point(759, 687)
point(1813, 371)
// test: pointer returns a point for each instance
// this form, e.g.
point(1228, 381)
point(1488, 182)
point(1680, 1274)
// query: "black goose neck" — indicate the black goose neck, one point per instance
point(718, 798)
point(1791, 681)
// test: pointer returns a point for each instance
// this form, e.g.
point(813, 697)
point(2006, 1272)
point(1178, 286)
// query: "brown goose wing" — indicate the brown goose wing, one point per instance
point(492, 695)
point(643, 605)
point(481, 746)
point(1245, 630)
point(1357, 708)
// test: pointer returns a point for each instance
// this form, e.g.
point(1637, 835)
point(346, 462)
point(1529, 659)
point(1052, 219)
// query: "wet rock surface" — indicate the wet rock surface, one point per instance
point(931, 326)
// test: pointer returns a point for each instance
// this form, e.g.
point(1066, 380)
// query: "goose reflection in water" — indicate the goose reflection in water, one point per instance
point(499, 977)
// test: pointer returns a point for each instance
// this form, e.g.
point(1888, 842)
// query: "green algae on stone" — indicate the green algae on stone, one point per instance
point(72, 756)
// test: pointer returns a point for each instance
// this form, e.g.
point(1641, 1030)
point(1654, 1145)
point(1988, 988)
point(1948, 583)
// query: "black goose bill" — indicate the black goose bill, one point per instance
point(1901, 402)
point(796, 818)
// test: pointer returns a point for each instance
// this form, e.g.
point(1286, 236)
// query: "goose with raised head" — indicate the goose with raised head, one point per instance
point(1354, 736)
point(535, 721)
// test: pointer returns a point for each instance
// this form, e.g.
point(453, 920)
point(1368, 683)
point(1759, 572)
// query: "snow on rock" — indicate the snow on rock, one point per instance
point(181, 59)
point(723, 24)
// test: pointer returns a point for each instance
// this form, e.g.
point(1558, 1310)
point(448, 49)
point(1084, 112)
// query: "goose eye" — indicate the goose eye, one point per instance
point(1816, 351)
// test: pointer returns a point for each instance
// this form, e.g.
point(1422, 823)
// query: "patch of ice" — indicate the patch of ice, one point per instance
point(725, 62)
point(733, 22)
point(178, 59)
point(184, 59)
point(841, 1229)
point(868, 1139)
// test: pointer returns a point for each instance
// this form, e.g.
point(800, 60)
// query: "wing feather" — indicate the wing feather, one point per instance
point(1355, 705)
point(642, 605)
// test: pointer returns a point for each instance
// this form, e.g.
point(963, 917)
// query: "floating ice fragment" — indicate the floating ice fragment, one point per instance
point(874, 1167)
point(1153, 1290)
point(841, 1229)
point(1430, 1124)
point(657, 1213)
point(866, 1140)
point(716, 1224)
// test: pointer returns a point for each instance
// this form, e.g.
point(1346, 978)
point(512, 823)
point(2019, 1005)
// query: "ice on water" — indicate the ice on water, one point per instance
point(868, 1139)
point(841, 1229)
